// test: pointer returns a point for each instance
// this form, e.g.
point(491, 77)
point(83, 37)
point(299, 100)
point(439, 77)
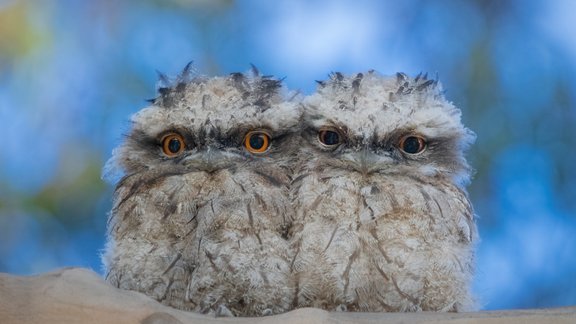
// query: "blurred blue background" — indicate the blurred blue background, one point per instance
point(72, 72)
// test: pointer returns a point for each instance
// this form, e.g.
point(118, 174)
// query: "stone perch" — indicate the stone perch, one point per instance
point(75, 295)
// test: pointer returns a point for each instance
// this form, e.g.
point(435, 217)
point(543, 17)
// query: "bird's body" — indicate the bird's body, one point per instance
point(383, 221)
point(236, 201)
point(200, 217)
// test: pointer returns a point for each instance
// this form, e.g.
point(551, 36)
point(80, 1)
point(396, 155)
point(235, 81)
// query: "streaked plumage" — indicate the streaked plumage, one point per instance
point(199, 222)
point(379, 228)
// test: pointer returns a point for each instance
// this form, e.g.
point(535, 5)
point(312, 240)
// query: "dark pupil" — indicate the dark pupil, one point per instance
point(174, 145)
point(330, 138)
point(411, 145)
point(256, 142)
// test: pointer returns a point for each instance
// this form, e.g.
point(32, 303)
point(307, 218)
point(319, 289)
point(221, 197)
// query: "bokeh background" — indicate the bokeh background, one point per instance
point(72, 72)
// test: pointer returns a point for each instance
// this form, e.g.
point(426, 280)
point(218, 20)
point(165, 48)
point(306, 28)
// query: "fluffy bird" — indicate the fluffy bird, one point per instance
point(202, 211)
point(383, 221)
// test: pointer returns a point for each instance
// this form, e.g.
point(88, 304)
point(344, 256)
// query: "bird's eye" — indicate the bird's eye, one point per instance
point(412, 144)
point(173, 144)
point(257, 142)
point(329, 137)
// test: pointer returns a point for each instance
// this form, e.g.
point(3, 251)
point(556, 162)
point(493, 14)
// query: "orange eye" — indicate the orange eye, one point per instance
point(412, 144)
point(329, 137)
point(173, 144)
point(257, 142)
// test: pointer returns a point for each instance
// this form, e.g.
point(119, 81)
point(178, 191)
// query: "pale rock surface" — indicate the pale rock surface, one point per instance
point(75, 295)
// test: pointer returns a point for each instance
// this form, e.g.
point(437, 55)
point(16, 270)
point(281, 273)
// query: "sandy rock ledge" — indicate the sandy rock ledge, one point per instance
point(76, 295)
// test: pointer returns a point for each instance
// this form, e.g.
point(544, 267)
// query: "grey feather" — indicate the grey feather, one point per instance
point(379, 229)
point(206, 229)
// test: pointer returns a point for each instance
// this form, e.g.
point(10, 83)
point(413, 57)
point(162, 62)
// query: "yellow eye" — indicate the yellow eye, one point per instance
point(412, 144)
point(257, 142)
point(173, 144)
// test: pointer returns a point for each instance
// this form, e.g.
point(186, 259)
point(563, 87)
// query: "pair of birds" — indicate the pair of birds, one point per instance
point(238, 200)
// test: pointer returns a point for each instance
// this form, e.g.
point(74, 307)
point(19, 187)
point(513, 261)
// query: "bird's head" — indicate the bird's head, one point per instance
point(199, 124)
point(386, 125)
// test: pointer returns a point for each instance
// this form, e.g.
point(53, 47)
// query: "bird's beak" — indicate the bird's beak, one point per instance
point(366, 161)
point(209, 160)
point(212, 160)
